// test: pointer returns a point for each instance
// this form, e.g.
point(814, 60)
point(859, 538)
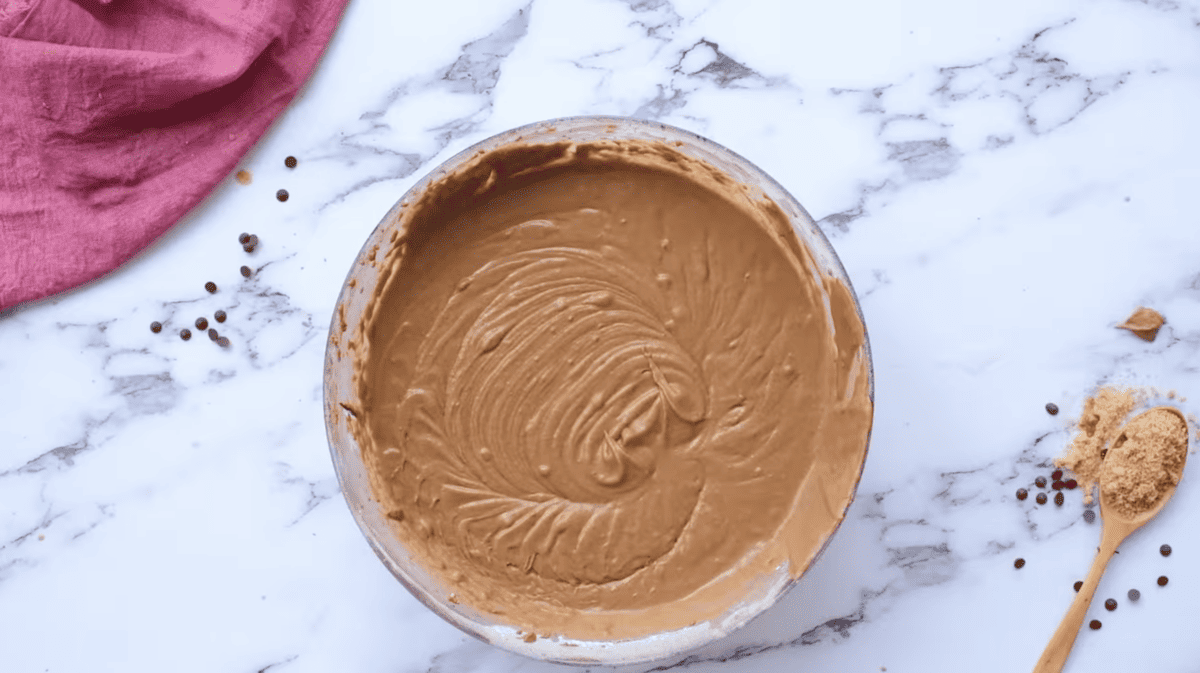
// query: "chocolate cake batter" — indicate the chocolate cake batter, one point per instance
point(604, 389)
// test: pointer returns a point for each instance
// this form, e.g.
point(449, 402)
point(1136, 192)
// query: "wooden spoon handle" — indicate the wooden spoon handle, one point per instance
point(1054, 657)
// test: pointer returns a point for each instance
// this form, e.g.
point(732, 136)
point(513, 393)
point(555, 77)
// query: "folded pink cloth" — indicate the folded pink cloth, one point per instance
point(119, 116)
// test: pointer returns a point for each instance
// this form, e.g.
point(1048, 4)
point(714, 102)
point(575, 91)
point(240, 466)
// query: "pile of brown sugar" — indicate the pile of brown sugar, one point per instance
point(1136, 463)
point(1145, 461)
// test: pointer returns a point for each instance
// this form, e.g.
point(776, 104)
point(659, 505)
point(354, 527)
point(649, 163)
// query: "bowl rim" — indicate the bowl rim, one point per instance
point(654, 647)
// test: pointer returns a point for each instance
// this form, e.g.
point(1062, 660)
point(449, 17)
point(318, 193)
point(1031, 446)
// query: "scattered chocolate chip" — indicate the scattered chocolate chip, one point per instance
point(282, 195)
point(223, 342)
point(290, 162)
point(1078, 585)
point(1057, 485)
point(1110, 604)
point(212, 334)
point(1095, 624)
point(251, 244)
point(1134, 594)
point(1070, 483)
point(1019, 563)
point(1041, 498)
point(1022, 494)
point(1056, 475)
point(244, 238)
point(1089, 516)
point(1165, 550)
point(1059, 499)
point(211, 287)
point(185, 334)
point(219, 316)
point(1040, 482)
point(246, 271)
point(1162, 581)
point(201, 323)
point(156, 327)
point(1052, 408)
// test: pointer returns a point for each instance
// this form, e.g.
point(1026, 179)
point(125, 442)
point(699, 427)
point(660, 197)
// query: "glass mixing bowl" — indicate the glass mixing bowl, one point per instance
point(341, 398)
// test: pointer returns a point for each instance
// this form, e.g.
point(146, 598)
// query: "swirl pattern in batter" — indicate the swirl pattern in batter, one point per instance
point(595, 384)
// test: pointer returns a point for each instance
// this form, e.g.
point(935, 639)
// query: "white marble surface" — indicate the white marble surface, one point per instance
point(1003, 181)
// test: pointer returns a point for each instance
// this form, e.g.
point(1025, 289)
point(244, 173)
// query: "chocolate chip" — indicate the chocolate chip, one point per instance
point(202, 323)
point(211, 287)
point(1041, 498)
point(185, 334)
point(1110, 604)
point(1019, 563)
point(1056, 475)
point(1095, 624)
point(244, 238)
point(212, 334)
point(1052, 408)
point(1134, 594)
point(251, 244)
point(1165, 550)
point(290, 162)
point(1078, 585)
point(219, 316)
point(223, 342)
point(1089, 516)
point(1070, 484)
point(1040, 482)
point(1022, 494)
point(1059, 499)
point(282, 195)
point(246, 271)
point(1057, 485)
point(156, 327)
point(1162, 581)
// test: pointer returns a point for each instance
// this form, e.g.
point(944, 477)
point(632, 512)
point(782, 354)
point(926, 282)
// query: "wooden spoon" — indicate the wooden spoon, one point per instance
point(1117, 527)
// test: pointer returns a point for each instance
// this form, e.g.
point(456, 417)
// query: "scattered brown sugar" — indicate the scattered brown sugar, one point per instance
point(1103, 414)
point(244, 177)
point(1144, 322)
point(1145, 461)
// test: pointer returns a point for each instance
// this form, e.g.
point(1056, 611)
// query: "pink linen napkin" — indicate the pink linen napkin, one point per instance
point(119, 116)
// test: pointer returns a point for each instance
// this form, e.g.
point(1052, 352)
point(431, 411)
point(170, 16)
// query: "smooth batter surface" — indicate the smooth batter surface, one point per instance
point(599, 398)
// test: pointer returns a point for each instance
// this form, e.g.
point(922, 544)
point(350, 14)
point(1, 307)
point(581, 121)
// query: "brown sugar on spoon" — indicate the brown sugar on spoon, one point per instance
point(1145, 461)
